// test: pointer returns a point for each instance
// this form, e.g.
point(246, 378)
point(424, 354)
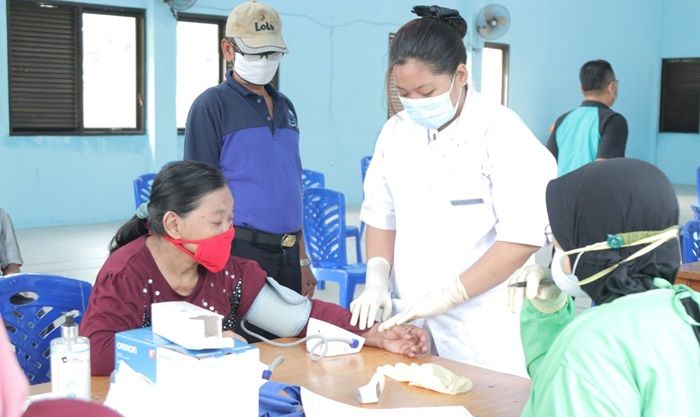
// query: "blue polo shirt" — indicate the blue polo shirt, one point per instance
point(229, 127)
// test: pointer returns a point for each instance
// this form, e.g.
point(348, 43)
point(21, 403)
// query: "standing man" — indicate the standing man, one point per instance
point(250, 131)
point(591, 131)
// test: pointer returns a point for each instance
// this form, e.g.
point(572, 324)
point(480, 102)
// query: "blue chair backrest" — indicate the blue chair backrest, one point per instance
point(324, 227)
point(691, 241)
point(142, 188)
point(697, 185)
point(312, 179)
point(32, 306)
point(364, 164)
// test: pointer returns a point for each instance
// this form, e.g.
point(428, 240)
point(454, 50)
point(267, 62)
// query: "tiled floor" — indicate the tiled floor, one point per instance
point(79, 251)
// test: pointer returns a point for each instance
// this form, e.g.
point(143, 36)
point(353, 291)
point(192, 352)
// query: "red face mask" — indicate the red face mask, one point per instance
point(212, 252)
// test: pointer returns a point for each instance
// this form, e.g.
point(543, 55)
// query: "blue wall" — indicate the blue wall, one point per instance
point(335, 77)
point(678, 153)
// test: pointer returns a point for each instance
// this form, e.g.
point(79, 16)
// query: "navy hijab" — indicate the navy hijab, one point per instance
point(609, 197)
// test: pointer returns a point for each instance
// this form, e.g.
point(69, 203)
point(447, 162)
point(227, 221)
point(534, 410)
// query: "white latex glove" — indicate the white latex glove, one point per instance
point(434, 303)
point(428, 375)
point(375, 296)
point(547, 298)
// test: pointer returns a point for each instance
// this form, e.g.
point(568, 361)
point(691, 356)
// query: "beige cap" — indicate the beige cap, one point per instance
point(256, 28)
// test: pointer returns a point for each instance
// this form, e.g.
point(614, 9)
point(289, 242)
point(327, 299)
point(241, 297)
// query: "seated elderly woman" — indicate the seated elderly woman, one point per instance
point(637, 351)
point(179, 250)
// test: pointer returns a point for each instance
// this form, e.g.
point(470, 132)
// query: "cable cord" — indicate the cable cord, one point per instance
point(322, 343)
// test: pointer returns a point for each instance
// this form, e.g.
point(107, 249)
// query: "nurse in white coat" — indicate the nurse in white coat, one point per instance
point(454, 202)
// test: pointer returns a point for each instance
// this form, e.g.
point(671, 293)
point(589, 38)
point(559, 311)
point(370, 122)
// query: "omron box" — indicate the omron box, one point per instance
point(216, 378)
point(137, 348)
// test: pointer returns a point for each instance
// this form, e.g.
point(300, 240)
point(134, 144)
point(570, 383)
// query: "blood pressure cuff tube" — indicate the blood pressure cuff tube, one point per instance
point(279, 310)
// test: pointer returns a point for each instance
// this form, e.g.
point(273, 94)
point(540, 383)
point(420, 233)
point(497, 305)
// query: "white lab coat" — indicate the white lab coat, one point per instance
point(450, 195)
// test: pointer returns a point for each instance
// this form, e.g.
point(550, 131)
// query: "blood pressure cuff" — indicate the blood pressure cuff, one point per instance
point(280, 400)
point(279, 310)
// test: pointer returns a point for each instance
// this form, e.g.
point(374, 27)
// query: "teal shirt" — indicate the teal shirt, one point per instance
point(577, 139)
point(588, 132)
point(635, 356)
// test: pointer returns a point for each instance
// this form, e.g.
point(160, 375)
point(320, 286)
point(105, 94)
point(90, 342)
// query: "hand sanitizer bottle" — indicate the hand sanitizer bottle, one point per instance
point(70, 363)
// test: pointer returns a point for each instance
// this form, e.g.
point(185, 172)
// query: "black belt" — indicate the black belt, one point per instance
point(286, 240)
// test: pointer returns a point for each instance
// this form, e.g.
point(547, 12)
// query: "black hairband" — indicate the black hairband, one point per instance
point(442, 13)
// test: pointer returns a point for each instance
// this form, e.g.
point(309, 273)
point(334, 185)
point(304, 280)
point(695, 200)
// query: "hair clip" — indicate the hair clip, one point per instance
point(615, 241)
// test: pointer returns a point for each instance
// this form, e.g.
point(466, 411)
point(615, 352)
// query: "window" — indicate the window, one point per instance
point(200, 62)
point(75, 69)
point(494, 73)
point(680, 95)
point(394, 104)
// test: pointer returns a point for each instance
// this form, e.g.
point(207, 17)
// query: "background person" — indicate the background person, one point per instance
point(592, 130)
point(637, 351)
point(250, 131)
point(178, 249)
point(454, 201)
point(10, 256)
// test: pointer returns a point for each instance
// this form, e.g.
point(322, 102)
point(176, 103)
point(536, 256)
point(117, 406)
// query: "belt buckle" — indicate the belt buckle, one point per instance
point(288, 240)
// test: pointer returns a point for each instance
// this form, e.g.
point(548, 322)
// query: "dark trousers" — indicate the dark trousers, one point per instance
point(282, 264)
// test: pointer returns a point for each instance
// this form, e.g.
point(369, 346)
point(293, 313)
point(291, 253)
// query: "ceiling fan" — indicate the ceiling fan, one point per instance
point(177, 6)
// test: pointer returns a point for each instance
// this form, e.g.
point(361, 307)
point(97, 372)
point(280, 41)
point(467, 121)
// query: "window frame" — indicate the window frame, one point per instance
point(211, 19)
point(505, 66)
point(666, 84)
point(79, 9)
point(393, 104)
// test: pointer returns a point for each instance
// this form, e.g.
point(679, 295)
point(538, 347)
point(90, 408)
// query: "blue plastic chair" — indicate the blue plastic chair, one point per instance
point(142, 188)
point(697, 185)
point(325, 234)
point(315, 179)
point(312, 179)
point(364, 165)
point(696, 209)
point(32, 306)
point(690, 241)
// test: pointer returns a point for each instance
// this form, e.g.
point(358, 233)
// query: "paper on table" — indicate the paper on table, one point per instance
point(318, 405)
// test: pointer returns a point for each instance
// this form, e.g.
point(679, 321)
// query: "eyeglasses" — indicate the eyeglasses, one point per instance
point(254, 57)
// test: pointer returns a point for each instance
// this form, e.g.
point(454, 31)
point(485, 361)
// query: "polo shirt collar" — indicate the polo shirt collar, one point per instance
point(238, 87)
point(593, 103)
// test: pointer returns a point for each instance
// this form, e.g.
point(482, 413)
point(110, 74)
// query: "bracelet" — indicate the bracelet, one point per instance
point(304, 262)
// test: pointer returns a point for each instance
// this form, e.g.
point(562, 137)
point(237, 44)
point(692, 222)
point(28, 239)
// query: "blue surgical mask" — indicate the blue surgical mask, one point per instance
point(432, 112)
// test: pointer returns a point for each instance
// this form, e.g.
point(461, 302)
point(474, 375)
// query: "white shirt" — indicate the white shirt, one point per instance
point(450, 195)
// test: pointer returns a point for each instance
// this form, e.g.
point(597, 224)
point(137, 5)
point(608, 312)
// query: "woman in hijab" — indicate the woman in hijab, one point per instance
point(637, 352)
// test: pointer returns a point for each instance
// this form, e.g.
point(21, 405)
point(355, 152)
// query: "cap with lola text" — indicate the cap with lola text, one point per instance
point(256, 28)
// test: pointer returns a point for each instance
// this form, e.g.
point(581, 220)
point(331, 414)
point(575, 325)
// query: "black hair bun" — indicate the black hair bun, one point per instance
point(449, 16)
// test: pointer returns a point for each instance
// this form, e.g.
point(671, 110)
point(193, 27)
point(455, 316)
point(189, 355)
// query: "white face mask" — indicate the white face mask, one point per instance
point(570, 284)
point(256, 69)
point(432, 112)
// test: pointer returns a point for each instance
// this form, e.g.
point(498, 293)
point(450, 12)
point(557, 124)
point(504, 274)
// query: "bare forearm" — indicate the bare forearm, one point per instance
point(495, 266)
point(380, 243)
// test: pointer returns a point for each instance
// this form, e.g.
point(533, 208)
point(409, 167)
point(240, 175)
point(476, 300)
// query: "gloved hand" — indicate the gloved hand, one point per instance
point(434, 303)
point(375, 296)
point(428, 375)
point(547, 298)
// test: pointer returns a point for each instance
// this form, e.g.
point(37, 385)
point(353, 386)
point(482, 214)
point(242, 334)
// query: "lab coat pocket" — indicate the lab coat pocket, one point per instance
point(470, 210)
